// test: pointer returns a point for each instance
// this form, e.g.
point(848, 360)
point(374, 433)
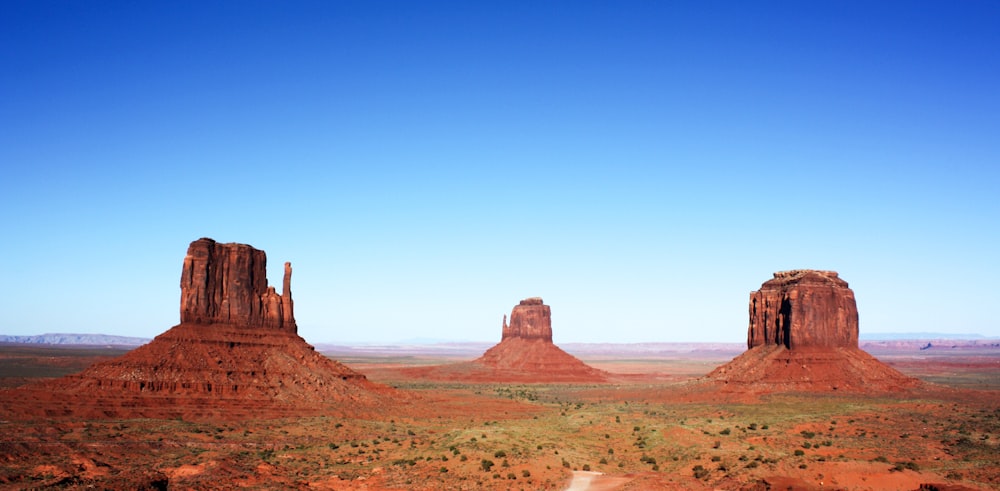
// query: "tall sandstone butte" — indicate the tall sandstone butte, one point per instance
point(236, 354)
point(227, 284)
point(803, 308)
point(531, 319)
point(803, 336)
point(526, 352)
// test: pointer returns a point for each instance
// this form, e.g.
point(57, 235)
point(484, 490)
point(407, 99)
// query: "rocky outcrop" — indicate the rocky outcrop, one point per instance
point(525, 354)
point(235, 355)
point(227, 284)
point(526, 351)
point(803, 335)
point(803, 308)
point(531, 319)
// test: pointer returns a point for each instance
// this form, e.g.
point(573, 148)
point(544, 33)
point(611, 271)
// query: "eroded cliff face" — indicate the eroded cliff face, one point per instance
point(531, 319)
point(227, 284)
point(803, 308)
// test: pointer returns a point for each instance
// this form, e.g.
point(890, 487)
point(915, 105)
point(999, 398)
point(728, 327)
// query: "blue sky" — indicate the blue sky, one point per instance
point(642, 166)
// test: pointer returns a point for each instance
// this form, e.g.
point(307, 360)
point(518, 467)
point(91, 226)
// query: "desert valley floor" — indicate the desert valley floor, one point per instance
point(647, 427)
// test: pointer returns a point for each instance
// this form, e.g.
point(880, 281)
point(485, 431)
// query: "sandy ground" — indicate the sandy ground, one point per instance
point(594, 481)
point(647, 431)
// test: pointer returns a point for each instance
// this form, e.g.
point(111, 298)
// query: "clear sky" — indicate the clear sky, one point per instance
point(641, 165)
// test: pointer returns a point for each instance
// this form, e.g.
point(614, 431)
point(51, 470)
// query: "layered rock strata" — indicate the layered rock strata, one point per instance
point(803, 336)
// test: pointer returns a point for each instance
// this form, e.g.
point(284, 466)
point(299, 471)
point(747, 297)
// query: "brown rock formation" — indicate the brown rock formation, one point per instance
point(803, 308)
point(235, 355)
point(227, 284)
point(524, 354)
point(803, 335)
point(531, 319)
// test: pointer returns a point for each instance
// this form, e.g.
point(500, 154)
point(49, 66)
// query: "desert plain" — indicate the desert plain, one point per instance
point(233, 398)
point(645, 428)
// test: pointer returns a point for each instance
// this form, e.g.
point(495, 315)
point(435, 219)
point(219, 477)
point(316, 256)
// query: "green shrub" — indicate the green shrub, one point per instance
point(900, 466)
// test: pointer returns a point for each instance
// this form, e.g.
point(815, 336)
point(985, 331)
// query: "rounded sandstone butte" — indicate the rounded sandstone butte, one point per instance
point(803, 308)
point(531, 319)
point(227, 284)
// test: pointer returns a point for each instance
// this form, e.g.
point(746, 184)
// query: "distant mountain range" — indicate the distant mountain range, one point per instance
point(452, 346)
point(895, 336)
point(68, 339)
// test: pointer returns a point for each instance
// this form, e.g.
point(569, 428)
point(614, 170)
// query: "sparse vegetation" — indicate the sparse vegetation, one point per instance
point(537, 445)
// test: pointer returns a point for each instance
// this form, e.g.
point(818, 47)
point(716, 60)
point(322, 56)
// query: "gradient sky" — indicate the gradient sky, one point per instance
point(641, 165)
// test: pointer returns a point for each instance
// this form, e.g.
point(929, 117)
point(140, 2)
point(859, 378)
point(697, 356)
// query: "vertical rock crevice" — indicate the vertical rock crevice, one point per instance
point(803, 308)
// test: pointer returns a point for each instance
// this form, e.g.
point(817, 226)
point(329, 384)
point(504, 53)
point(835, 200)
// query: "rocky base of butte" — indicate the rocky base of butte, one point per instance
point(803, 336)
point(235, 355)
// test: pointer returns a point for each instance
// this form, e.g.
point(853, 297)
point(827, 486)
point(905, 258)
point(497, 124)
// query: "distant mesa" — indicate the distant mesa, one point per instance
point(525, 354)
point(803, 336)
point(235, 355)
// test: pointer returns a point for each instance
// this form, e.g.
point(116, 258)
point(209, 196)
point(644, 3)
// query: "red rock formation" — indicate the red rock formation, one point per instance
point(525, 354)
point(803, 308)
point(235, 355)
point(531, 319)
point(227, 284)
point(526, 350)
point(803, 335)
